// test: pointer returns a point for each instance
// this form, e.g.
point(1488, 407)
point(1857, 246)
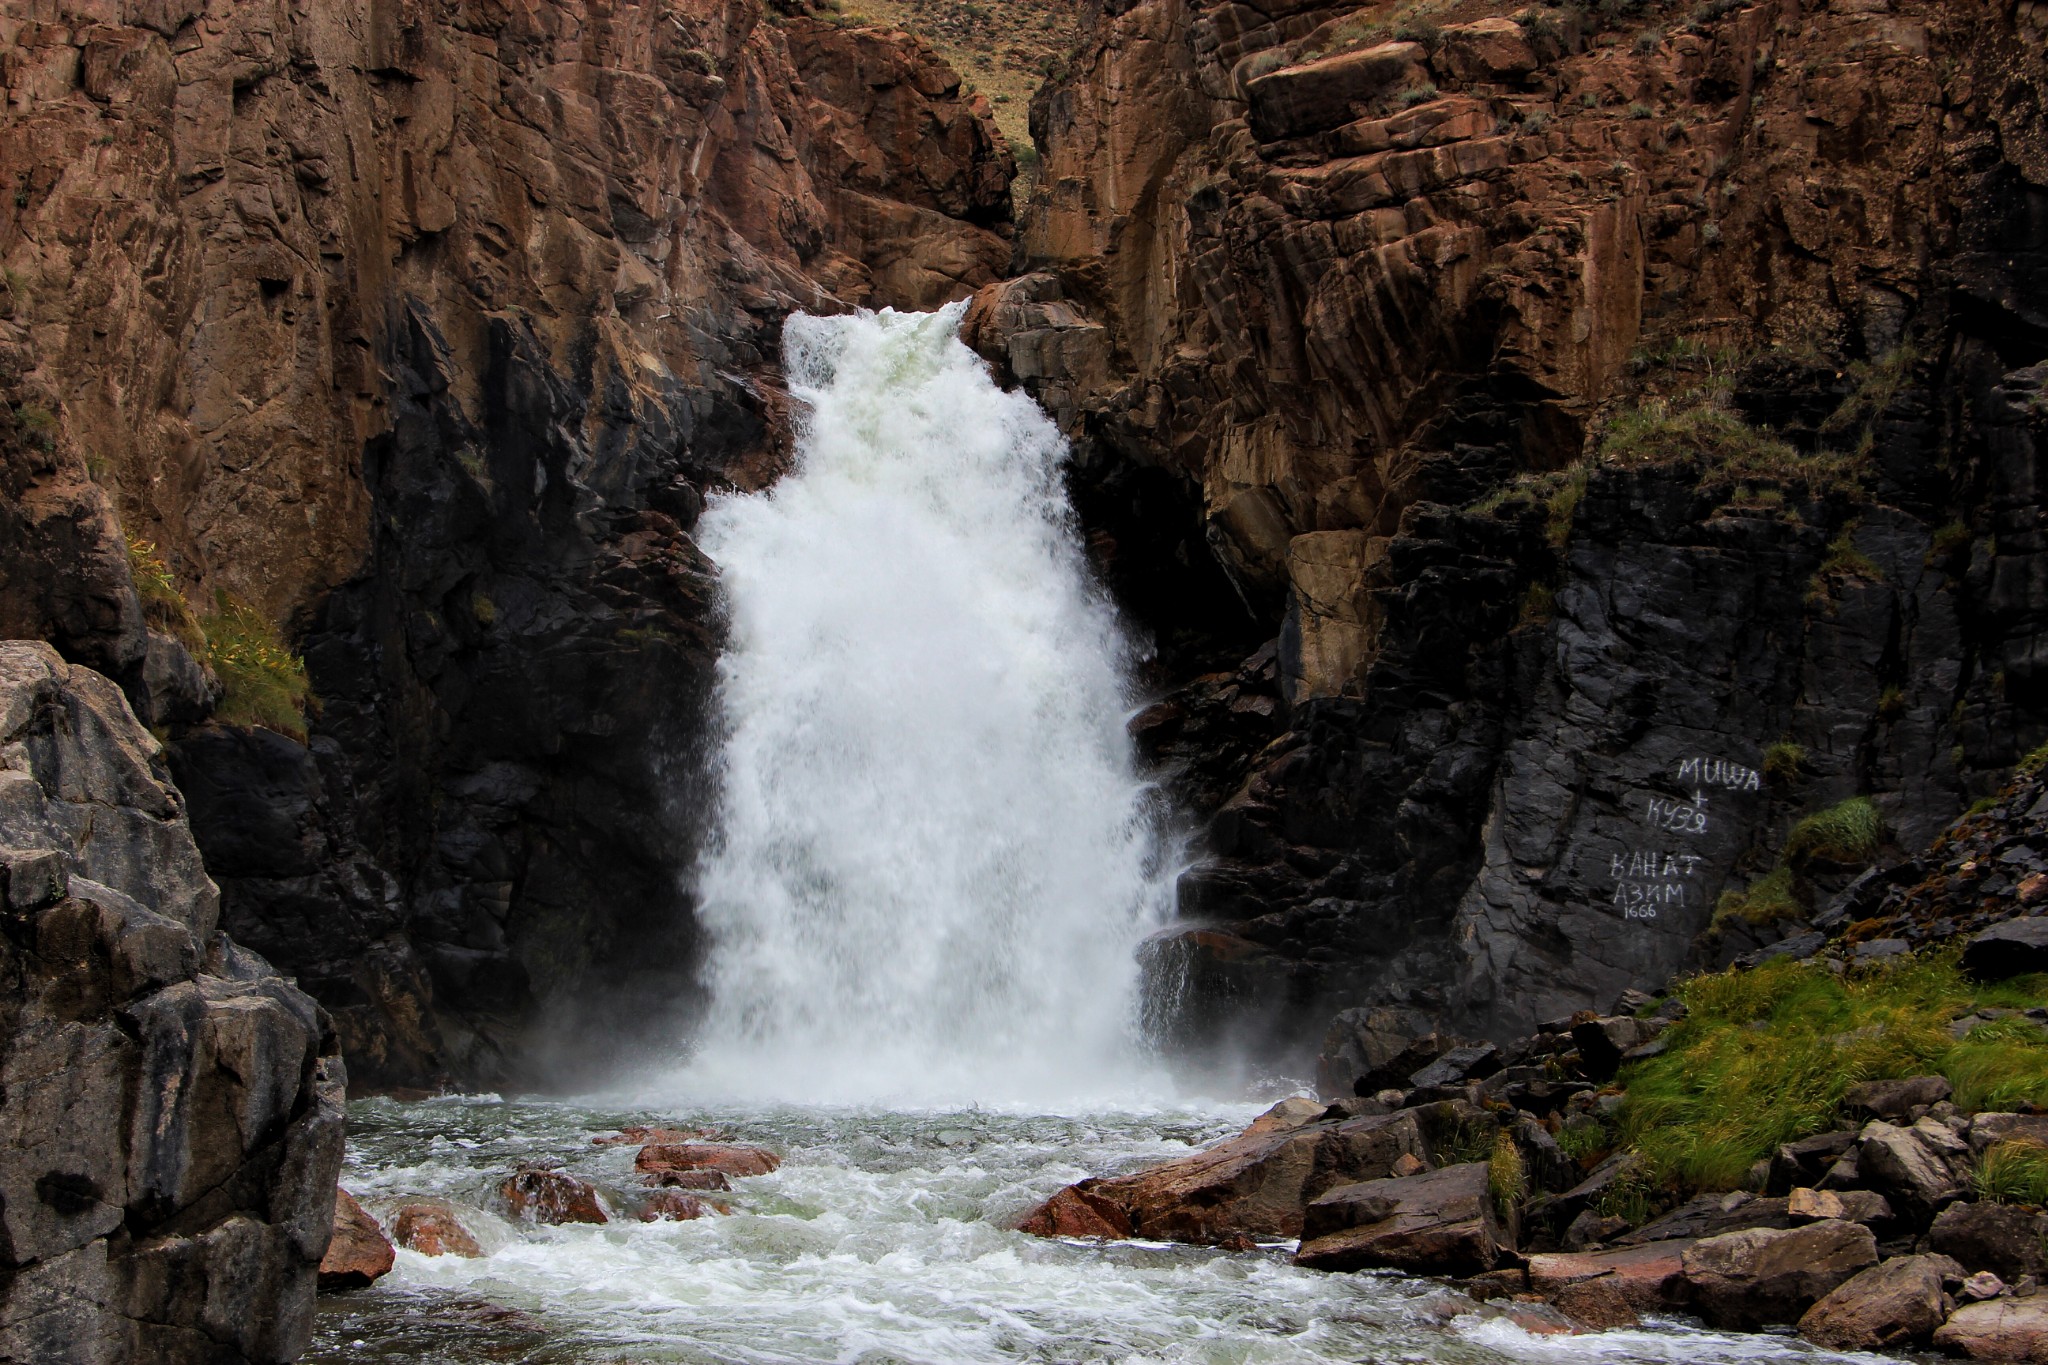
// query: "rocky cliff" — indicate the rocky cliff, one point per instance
point(1624, 426)
point(409, 338)
point(170, 1109)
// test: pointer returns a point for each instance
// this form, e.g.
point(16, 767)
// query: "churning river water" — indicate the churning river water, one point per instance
point(932, 861)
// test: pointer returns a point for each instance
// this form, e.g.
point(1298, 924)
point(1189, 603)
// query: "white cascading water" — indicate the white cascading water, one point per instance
point(934, 856)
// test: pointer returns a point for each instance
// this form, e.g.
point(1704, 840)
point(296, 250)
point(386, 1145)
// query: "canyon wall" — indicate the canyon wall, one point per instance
point(417, 332)
point(1623, 428)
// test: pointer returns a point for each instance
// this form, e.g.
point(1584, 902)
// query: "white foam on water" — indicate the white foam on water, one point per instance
point(933, 856)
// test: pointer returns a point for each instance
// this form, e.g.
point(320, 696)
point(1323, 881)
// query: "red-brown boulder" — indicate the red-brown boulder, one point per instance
point(1077, 1211)
point(548, 1196)
point(731, 1158)
point(637, 1136)
point(357, 1252)
point(672, 1206)
point(688, 1180)
point(432, 1230)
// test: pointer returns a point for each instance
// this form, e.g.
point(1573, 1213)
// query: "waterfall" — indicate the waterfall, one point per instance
point(933, 855)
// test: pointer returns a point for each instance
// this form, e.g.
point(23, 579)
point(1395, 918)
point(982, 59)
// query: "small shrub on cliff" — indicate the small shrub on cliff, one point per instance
point(263, 683)
point(2013, 1173)
point(1421, 94)
point(1729, 450)
point(1506, 1179)
point(1849, 832)
point(1782, 762)
point(1770, 898)
point(2033, 763)
point(163, 604)
point(1421, 31)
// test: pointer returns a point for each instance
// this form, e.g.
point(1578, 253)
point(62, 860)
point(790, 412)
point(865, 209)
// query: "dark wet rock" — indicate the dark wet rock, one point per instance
point(543, 1195)
point(688, 1179)
point(1078, 1212)
point(1603, 1043)
point(1359, 1045)
point(2006, 1239)
point(1441, 1222)
point(358, 1253)
point(1710, 1215)
point(1468, 1062)
point(1804, 1162)
point(173, 1112)
point(2014, 948)
point(1897, 1304)
point(1764, 1275)
point(1895, 1099)
point(671, 1206)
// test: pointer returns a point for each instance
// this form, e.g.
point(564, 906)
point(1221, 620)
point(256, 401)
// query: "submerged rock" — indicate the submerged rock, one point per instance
point(661, 1158)
point(358, 1253)
point(659, 1206)
point(550, 1196)
point(433, 1230)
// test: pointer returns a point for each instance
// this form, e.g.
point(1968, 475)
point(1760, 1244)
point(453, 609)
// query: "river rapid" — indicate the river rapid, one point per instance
point(883, 1240)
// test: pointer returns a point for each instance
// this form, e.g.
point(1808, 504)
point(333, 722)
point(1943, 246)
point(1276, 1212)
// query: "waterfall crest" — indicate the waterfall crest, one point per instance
point(933, 854)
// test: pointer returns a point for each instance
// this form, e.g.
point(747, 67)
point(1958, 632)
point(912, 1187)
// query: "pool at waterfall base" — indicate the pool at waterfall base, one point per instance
point(884, 1239)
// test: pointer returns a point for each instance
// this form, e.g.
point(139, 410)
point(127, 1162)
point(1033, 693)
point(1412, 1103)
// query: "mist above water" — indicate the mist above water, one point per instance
point(933, 856)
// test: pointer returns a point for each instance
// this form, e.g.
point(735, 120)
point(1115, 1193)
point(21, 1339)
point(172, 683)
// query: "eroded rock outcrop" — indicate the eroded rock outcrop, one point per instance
point(171, 1117)
point(423, 331)
point(1416, 335)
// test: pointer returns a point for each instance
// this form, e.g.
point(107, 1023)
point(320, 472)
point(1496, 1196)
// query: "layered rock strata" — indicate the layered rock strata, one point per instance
point(1594, 412)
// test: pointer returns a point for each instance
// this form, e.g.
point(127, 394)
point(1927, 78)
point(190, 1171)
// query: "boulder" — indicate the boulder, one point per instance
point(2014, 948)
point(1253, 1185)
point(1920, 1170)
point(1895, 1099)
point(1852, 1206)
point(1895, 1304)
point(433, 1230)
point(729, 1158)
point(2011, 1330)
point(1319, 95)
point(1470, 1062)
point(1806, 1161)
point(1988, 1130)
point(1648, 1278)
point(2006, 1239)
point(1752, 1279)
point(1981, 1286)
point(1489, 52)
point(357, 1253)
point(1710, 1215)
point(1361, 1041)
point(544, 1195)
point(1603, 1042)
point(1442, 1222)
point(1077, 1211)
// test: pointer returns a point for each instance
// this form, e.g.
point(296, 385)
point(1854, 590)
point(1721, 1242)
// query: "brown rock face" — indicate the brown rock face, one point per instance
point(358, 1253)
point(433, 1230)
point(672, 1206)
point(172, 1109)
point(1768, 1275)
point(2014, 1330)
point(1895, 1304)
point(1372, 310)
point(547, 1196)
point(423, 330)
point(726, 1158)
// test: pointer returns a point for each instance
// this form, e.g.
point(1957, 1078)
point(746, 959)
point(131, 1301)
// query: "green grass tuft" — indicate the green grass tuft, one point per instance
point(1730, 450)
point(263, 683)
point(2033, 763)
point(1506, 1179)
point(2014, 1172)
point(1846, 833)
point(1783, 760)
point(163, 603)
point(1764, 1056)
point(1770, 898)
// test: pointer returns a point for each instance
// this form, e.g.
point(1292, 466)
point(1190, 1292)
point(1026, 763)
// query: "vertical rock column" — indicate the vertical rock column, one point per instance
point(170, 1108)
